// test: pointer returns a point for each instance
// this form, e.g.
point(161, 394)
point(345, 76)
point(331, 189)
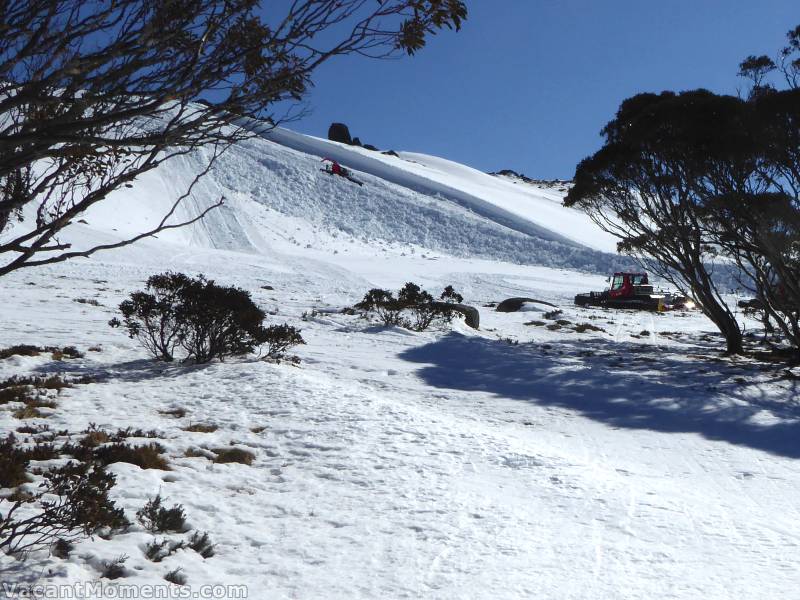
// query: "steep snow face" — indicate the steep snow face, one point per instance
point(276, 194)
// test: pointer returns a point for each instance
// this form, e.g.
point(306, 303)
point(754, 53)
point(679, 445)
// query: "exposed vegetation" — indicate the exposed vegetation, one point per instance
point(413, 308)
point(158, 519)
point(204, 319)
point(72, 502)
point(233, 455)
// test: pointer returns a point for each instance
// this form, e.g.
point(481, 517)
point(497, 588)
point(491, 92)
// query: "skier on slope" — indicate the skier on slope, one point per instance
point(334, 168)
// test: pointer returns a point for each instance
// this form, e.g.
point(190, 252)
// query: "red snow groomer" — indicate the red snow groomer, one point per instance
point(628, 290)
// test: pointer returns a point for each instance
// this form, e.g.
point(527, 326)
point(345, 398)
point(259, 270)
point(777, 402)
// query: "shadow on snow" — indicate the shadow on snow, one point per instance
point(624, 385)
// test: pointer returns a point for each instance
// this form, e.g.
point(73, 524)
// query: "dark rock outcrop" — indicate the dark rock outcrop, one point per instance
point(561, 184)
point(339, 132)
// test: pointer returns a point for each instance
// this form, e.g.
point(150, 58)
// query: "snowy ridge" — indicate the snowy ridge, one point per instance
point(276, 193)
point(537, 213)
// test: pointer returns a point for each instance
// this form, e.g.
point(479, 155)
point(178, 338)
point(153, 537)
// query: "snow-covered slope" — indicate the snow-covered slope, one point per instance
point(530, 459)
point(275, 189)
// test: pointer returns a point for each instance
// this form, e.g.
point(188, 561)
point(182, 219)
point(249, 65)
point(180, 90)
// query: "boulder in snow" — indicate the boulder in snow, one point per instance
point(515, 304)
point(339, 132)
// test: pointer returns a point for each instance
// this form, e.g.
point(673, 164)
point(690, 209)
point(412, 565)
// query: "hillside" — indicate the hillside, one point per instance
point(410, 201)
point(533, 458)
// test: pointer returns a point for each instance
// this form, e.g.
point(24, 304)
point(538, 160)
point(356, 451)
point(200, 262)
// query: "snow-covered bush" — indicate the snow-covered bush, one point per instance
point(205, 319)
point(413, 308)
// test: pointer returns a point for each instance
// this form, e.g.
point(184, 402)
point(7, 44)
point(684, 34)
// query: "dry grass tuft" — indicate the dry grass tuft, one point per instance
point(233, 455)
point(201, 428)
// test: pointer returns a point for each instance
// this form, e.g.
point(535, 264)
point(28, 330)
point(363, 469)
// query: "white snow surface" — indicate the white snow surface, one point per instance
point(517, 461)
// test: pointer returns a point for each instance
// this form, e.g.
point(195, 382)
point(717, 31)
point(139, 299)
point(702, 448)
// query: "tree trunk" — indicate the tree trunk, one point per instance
point(723, 319)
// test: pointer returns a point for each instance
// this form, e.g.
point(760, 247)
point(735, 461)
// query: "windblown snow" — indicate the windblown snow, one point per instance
point(526, 459)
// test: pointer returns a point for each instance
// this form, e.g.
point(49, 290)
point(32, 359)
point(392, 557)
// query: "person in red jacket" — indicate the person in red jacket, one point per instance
point(334, 168)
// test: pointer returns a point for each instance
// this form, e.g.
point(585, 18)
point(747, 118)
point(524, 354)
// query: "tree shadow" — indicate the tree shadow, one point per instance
point(133, 371)
point(624, 385)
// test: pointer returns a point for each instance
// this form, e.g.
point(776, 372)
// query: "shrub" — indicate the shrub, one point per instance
point(147, 456)
point(178, 412)
point(450, 295)
point(279, 338)
point(422, 307)
point(34, 429)
point(201, 428)
point(62, 548)
point(72, 502)
point(384, 305)
point(157, 551)
point(65, 352)
point(13, 393)
point(233, 455)
point(41, 451)
point(90, 301)
point(94, 437)
point(583, 327)
point(201, 544)
point(129, 432)
point(157, 519)
point(20, 350)
point(13, 463)
point(86, 488)
point(205, 319)
point(413, 308)
point(220, 321)
point(154, 316)
point(28, 389)
point(29, 350)
point(553, 314)
point(114, 569)
point(28, 412)
point(175, 576)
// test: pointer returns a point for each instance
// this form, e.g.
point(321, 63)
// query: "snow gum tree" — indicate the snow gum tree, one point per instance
point(691, 180)
point(647, 182)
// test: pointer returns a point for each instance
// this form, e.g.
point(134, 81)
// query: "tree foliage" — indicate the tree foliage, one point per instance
point(93, 93)
point(687, 181)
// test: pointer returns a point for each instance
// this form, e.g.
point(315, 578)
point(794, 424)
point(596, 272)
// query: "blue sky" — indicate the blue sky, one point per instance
point(528, 84)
